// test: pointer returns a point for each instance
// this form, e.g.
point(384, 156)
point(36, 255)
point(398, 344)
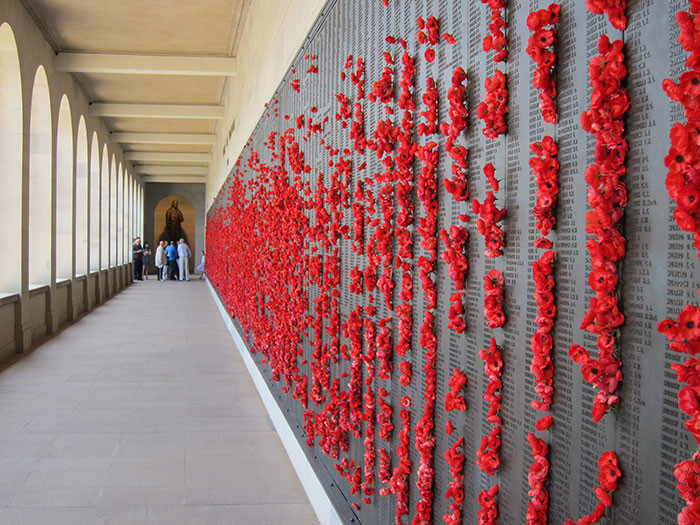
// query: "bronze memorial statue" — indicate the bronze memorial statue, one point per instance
point(173, 219)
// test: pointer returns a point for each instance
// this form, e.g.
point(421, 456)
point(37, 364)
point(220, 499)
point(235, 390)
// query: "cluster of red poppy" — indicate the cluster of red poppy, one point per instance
point(608, 474)
point(456, 242)
point(493, 300)
point(398, 484)
point(541, 343)
point(458, 114)
point(687, 473)
point(540, 48)
point(429, 33)
point(285, 238)
point(684, 155)
point(488, 511)
point(357, 127)
point(383, 89)
point(369, 409)
point(490, 172)
point(345, 112)
point(615, 9)
point(492, 110)
point(488, 458)
point(456, 257)
point(607, 195)
point(487, 224)
point(538, 506)
point(685, 336)
point(682, 161)
point(403, 161)
point(430, 99)
point(545, 167)
point(347, 469)
point(455, 490)
point(454, 400)
point(425, 440)
point(313, 69)
point(384, 417)
point(496, 41)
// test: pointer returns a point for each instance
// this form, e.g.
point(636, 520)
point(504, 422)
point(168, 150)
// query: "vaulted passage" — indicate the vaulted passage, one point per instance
point(142, 412)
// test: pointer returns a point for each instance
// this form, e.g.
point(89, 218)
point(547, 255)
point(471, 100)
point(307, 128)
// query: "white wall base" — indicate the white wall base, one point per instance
point(325, 512)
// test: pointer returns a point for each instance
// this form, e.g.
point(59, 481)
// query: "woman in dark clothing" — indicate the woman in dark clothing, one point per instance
point(146, 260)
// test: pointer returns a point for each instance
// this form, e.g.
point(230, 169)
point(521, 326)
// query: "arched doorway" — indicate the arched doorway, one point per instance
point(188, 224)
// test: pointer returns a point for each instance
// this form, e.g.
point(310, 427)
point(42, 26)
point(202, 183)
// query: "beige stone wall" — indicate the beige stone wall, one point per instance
point(273, 32)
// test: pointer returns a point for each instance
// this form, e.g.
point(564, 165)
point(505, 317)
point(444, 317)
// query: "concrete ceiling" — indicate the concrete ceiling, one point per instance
point(199, 33)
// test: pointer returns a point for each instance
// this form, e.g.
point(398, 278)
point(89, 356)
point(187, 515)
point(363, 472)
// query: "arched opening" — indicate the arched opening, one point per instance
point(10, 162)
point(64, 192)
point(139, 212)
point(95, 205)
point(119, 239)
point(113, 243)
point(128, 217)
point(121, 234)
point(169, 225)
point(40, 182)
point(104, 204)
point(81, 200)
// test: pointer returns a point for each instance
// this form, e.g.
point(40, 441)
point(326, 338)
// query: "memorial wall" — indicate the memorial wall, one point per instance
point(450, 242)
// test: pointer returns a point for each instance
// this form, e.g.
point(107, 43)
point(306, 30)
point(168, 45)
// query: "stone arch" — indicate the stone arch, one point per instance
point(95, 203)
point(82, 177)
point(113, 243)
point(40, 183)
point(104, 190)
point(64, 191)
point(119, 240)
point(10, 161)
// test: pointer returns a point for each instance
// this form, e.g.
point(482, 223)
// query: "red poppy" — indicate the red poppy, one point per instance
point(544, 423)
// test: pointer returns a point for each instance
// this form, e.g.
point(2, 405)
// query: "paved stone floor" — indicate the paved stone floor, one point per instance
point(142, 413)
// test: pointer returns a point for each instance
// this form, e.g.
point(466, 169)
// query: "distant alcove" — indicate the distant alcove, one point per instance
point(188, 224)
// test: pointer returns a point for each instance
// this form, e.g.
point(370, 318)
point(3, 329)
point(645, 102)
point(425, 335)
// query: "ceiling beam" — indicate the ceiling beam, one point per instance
point(170, 178)
point(127, 64)
point(163, 138)
point(171, 170)
point(157, 156)
point(179, 111)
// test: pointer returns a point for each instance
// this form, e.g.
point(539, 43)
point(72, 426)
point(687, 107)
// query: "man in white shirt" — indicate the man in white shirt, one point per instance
point(184, 253)
point(159, 260)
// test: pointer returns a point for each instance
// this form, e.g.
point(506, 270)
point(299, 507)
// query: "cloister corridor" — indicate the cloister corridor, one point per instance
point(141, 412)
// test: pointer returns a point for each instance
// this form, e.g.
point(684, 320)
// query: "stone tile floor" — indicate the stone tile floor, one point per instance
point(142, 413)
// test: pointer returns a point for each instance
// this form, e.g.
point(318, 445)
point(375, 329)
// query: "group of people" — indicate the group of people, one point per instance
point(172, 260)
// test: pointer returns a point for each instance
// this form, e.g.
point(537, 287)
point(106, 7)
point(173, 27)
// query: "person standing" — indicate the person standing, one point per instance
point(160, 255)
point(184, 253)
point(200, 267)
point(138, 259)
point(146, 260)
point(165, 261)
point(172, 260)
